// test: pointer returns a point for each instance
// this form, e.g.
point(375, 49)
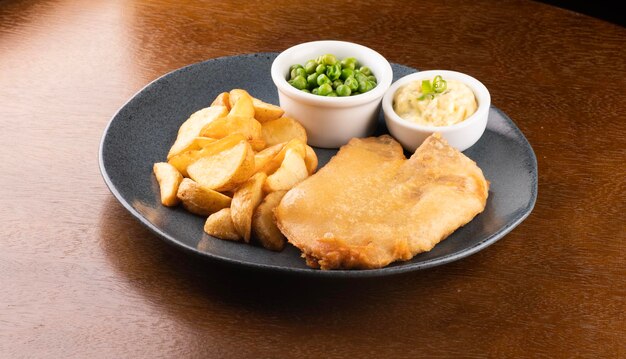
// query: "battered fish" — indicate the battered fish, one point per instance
point(370, 206)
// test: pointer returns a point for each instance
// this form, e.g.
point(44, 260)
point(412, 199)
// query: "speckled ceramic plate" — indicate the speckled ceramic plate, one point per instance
point(142, 131)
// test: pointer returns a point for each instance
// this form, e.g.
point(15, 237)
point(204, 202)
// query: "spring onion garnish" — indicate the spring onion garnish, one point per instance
point(430, 90)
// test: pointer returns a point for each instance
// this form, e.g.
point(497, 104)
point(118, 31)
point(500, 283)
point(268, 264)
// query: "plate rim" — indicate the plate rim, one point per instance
point(341, 273)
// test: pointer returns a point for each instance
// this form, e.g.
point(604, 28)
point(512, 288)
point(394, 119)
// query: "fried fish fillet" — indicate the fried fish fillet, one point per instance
point(370, 206)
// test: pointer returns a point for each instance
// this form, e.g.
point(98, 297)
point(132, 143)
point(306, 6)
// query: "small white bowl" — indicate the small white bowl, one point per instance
point(331, 122)
point(461, 135)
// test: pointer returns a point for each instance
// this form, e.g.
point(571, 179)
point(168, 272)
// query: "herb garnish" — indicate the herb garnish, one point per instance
point(429, 90)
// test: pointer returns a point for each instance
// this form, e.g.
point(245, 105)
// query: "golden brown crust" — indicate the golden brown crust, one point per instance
point(370, 206)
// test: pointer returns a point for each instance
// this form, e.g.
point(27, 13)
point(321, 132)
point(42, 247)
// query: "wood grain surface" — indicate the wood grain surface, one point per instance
point(80, 277)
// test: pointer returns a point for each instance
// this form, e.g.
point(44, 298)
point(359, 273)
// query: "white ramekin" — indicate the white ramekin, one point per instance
point(461, 135)
point(332, 121)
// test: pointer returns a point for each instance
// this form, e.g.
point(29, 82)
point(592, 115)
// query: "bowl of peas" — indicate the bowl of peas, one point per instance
point(333, 88)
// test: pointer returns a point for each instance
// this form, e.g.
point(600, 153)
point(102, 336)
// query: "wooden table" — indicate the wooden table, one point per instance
point(80, 277)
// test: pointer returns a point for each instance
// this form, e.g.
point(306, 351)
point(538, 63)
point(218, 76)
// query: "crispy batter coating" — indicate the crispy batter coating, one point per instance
point(370, 206)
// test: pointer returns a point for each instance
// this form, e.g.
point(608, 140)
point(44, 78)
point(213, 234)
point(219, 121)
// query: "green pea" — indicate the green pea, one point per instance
point(343, 90)
point(372, 78)
point(310, 66)
point(352, 83)
point(369, 85)
point(322, 79)
point(293, 71)
point(333, 72)
point(327, 59)
point(365, 70)
point(312, 80)
point(299, 82)
point(349, 63)
point(324, 89)
point(305, 90)
point(320, 69)
point(359, 76)
point(362, 86)
point(337, 83)
point(332, 94)
point(345, 73)
point(315, 90)
point(301, 72)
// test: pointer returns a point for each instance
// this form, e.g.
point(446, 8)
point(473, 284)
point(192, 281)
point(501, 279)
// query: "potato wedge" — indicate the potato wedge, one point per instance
point(310, 160)
point(222, 127)
point(197, 144)
point(245, 200)
point(264, 227)
point(262, 158)
point(203, 141)
point(240, 103)
point(257, 145)
point(264, 111)
point(208, 148)
point(220, 225)
point(281, 130)
point(191, 128)
point(224, 170)
point(274, 163)
point(222, 100)
point(199, 200)
point(291, 172)
point(169, 180)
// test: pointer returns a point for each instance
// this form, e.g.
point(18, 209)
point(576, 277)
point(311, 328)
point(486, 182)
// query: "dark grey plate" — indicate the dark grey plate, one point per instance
point(142, 131)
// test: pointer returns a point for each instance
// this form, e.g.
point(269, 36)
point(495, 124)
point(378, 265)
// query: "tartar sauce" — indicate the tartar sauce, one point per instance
point(449, 107)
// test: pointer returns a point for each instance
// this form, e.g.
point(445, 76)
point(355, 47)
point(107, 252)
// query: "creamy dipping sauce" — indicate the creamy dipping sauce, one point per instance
point(456, 103)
